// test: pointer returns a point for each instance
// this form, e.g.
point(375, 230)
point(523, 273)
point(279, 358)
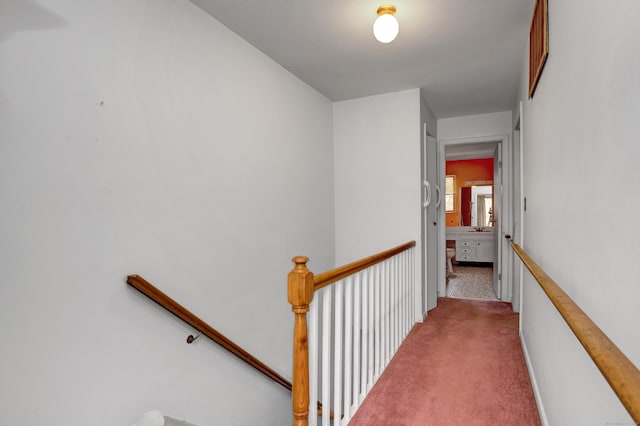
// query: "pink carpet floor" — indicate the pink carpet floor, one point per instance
point(463, 366)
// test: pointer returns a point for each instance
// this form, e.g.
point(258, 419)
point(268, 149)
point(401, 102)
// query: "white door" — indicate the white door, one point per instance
point(497, 217)
point(430, 219)
point(442, 234)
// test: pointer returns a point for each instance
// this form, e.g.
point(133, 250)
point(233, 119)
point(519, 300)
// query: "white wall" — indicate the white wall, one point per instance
point(581, 170)
point(377, 174)
point(144, 137)
point(471, 126)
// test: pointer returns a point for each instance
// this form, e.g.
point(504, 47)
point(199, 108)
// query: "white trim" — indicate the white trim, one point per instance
point(521, 200)
point(534, 384)
point(517, 268)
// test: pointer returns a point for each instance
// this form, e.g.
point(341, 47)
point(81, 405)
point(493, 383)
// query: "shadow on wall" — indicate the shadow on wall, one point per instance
point(156, 418)
point(25, 15)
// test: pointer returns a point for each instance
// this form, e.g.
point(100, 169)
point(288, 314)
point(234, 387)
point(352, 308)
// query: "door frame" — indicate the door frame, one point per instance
point(429, 235)
point(504, 143)
point(499, 211)
point(518, 199)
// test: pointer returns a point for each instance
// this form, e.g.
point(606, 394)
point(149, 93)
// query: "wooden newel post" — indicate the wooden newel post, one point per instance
point(300, 292)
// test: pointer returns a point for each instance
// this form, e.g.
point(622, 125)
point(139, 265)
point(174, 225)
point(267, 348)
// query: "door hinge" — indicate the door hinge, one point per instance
point(499, 164)
point(499, 276)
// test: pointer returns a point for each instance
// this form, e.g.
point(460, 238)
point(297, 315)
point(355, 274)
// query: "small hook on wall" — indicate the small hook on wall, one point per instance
point(192, 339)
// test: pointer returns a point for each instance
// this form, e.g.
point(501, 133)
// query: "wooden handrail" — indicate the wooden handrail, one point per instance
point(181, 312)
point(326, 278)
point(623, 376)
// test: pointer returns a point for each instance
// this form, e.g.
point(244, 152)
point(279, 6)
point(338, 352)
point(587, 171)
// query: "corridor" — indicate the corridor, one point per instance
point(463, 366)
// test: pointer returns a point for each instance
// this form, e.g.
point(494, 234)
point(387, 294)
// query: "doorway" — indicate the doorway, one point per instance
point(469, 221)
point(487, 236)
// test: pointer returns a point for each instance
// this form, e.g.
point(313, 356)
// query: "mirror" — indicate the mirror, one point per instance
point(476, 205)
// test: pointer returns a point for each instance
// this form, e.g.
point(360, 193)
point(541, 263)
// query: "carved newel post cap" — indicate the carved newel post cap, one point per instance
point(300, 261)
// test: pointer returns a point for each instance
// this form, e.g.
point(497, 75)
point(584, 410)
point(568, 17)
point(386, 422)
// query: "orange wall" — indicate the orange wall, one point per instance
point(467, 170)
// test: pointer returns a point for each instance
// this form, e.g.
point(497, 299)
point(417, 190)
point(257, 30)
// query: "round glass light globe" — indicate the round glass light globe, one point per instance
point(386, 28)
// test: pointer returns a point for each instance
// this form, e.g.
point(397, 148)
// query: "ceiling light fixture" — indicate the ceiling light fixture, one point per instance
point(386, 27)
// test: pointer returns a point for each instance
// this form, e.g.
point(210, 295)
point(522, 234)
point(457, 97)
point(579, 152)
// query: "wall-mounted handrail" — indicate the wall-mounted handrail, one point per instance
point(326, 278)
point(623, 376)
point(181, 312)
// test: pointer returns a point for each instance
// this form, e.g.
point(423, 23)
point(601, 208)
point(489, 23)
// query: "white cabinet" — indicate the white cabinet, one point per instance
point(465, 251)
point(484, 251)
point(474, 249)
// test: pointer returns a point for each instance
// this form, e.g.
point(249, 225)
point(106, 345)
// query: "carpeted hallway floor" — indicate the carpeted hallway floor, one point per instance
point(462, 366)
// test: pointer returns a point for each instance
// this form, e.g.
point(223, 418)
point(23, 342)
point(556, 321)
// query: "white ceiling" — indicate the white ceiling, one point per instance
point(465, 55)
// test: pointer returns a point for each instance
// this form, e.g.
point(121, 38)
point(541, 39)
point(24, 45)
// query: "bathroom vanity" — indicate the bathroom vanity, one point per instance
point(472, 245)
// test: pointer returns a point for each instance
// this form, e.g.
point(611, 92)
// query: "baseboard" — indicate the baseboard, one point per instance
point(534, 383)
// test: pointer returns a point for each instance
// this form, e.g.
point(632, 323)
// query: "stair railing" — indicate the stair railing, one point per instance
point(353, 329)
point(621, 374)
point(146, 288)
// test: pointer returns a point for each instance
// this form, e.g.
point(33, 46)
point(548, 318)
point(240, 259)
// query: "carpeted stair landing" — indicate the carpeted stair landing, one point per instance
point(462, 366)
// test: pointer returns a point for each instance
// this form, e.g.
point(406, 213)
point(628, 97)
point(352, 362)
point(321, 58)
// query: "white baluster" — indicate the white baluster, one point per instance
point(405, 292)
point(412, 280)
point(313, 362)
point(396, 273)
point(389, 311)
point(348, 347)
point(371, 323)
point(326, 355)
point(365, 334)
point(409, 293)
point(357, 339)
point(337, 350)
point(403, 312)
point(412, 288)
point(417, 312)
point(384, 300)
point(377, 322)
point(396, 304)
point(392, 303)
point(398, 260)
